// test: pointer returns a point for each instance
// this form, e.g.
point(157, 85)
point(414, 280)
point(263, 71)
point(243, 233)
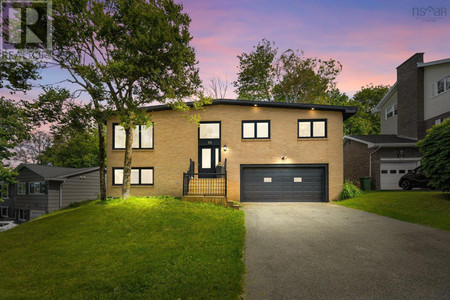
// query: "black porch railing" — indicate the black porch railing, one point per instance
point(205, 184)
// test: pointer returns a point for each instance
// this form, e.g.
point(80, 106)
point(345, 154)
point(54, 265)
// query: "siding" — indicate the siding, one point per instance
point(75, 189)
point(176, 141)
point(388, 126)
point(34, 202)
point(435, 106)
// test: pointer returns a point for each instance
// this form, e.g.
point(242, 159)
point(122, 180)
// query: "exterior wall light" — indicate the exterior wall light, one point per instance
point(283, 157)
point(255, 105)
point(225, 148)
point(312, 108)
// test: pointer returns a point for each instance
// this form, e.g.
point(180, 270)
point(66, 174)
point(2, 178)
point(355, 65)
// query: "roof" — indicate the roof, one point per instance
point(392, 90)
point(382, 140)
point(347, 111)
point(55, 173)
point(432, 63)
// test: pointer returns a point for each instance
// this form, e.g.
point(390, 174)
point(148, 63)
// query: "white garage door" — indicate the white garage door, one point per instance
point(391, 172)
point(36, 214)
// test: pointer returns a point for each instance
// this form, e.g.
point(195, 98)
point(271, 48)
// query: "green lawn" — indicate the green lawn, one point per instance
point(138, 248)
point(421, 207)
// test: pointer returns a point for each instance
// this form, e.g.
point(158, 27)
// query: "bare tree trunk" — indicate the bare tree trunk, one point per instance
point(101, 158)
point(126, 185)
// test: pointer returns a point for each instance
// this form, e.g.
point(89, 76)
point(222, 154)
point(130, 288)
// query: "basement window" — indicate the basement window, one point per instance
point(139, 176)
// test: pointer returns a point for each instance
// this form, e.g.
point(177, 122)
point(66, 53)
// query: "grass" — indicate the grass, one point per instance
point(159, 248)
point(420, 207)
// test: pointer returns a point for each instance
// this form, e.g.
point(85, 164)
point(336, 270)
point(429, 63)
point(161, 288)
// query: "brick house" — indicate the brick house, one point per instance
point(241, 151)
point(418, 100)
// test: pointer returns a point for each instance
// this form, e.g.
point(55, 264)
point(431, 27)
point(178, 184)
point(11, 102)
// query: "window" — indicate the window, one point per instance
point(142, 137)
point(440, 86)
point(393, 172)
point(384, 171)
point(21, 188)
point(312, 128)
point(139, 176)
point(4, 190)
point(401, 171)
point(21, 214)
point(391, 111)
point(4, 211)
point(256, 129)
point(209, 131)
point(38, 188)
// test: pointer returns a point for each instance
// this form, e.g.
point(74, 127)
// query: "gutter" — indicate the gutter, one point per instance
point(60, 194)
point(370, 160)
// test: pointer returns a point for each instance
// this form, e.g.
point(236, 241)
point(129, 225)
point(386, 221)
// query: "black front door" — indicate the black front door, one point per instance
point(208, 148)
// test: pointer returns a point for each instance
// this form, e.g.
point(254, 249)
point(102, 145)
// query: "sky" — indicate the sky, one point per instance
point(369, 38)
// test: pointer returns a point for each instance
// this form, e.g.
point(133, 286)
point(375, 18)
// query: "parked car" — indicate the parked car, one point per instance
point(414, 179)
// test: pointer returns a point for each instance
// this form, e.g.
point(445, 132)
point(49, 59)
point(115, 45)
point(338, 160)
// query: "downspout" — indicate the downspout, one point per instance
point(60, 195)
point(370, 160)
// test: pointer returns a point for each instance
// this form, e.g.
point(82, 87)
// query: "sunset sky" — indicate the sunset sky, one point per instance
point(370, 38)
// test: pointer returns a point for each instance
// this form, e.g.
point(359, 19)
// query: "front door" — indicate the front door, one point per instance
point(208, 148)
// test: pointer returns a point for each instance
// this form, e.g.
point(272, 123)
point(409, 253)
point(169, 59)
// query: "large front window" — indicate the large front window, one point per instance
point(312, 128)
point(255, 129)
point(139, 176)
point(38, 188)
point(142, 137)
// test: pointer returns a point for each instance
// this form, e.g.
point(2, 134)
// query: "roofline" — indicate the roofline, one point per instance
point(23, 165)
point(383, 101)
point(382, 145)
point(432, 63)
point(347, 111)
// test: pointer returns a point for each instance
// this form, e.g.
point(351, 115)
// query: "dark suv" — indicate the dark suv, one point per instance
point(414, 179)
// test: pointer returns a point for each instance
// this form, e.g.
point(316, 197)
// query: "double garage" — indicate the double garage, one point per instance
point(284, 183)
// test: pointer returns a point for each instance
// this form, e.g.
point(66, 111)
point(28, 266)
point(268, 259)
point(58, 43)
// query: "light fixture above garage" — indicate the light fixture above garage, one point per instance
point(283, 157)
point(312, 108)
point(225, 148)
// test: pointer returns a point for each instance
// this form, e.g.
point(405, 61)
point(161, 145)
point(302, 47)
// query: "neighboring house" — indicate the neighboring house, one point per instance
point(43, 189)
point(418, 100)
point(245, 151)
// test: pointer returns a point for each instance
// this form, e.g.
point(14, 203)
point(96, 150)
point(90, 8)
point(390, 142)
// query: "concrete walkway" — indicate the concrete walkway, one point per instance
point(326, 251)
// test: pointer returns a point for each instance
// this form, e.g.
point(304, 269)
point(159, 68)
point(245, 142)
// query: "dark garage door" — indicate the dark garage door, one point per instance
point(283, 184)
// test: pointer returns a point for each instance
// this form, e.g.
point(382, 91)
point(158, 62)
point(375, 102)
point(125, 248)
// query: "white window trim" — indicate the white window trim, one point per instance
point(386, 112)
point(18, 215)
point(434, 86)
point(25, 183)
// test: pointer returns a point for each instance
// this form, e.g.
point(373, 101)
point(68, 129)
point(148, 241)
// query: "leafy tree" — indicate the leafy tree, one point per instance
point(289, 77)
point(128, 53)
point(435, 149)
point(16, 76)
point(256, 75)
point(14, 128)
point(30, 151)
point(365, 122)
point(79, 149)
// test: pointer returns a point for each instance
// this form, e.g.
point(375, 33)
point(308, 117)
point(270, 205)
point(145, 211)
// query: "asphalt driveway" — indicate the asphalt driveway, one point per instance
point(326, 251)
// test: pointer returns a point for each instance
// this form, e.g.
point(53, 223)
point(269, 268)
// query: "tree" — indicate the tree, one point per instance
point(14, 128)
point(31, 150)
point(256, 75)
point(79, 149)
point(365, 122)
point(435, 149)
point(128, 53)
point(217, 88)
point(289, 77)
point(16, 76)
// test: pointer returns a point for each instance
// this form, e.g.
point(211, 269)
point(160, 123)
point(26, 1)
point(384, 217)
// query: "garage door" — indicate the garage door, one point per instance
point(391, 172)
point(283, 184)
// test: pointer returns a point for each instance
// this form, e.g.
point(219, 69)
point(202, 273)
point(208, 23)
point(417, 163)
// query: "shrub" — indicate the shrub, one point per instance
point(349, 190)
point(435, 149)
